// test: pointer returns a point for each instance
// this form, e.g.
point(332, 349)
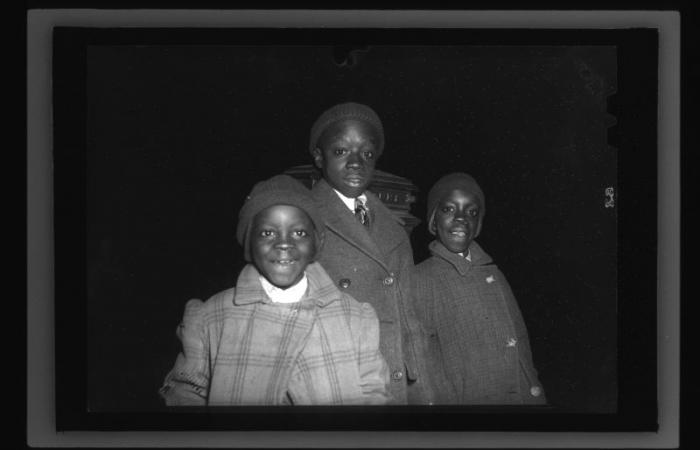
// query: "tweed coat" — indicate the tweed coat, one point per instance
point(239, 348)
point(373, 265)
point(478, 343)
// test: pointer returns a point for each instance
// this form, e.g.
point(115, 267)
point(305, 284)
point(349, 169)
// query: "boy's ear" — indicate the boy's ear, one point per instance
point(431, 225)
point(318, 157)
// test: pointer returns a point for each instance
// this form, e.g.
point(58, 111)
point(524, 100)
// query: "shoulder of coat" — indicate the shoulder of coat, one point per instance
point(354, 306)
point(430, 264)
point(220, 301)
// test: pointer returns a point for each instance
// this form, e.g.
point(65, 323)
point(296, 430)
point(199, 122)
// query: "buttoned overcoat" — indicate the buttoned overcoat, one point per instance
point(373, 264)
point(478, 342)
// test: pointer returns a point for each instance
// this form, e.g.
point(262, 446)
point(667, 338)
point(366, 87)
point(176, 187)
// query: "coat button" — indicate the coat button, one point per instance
point(511, 342)
point(397, 375)
point(344, 283)
point(535, 391)
point(389, 281)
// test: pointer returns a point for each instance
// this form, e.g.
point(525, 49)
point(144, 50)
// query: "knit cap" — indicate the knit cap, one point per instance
point(447, 184)
point(345, 111)
point(278, 190)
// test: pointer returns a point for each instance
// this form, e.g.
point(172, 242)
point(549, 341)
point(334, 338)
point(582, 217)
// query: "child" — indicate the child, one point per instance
point(478, 341)
point(367, 252)
point(285, 334)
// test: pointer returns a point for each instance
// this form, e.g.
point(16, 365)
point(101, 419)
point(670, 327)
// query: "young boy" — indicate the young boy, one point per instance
point(285, 334)
point(367, 252)
point(478, 341)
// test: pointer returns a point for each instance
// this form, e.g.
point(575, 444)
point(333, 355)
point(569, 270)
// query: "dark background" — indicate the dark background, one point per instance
point(178, 134)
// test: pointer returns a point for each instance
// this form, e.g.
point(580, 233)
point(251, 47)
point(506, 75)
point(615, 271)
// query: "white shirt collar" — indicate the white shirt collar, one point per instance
point(290, 295)
point(349, 201)
point(469, 255)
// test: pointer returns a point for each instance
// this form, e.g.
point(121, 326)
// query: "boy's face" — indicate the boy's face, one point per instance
point(457, 220)
point(282, 244)
point(346, 153)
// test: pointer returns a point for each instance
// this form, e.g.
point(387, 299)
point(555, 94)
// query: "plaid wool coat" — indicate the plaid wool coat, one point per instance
point(239, 348)
point(373, 265)
point(478, 344)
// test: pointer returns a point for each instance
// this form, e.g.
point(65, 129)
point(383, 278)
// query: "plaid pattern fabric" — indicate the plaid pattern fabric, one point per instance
point(478, 342)
point(239, 348)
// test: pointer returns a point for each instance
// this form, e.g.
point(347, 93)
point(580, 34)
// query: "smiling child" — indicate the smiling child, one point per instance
point(285, 335)
point(479, 347)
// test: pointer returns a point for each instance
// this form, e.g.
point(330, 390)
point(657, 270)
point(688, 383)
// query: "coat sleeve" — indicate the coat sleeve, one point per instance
point(374, 371)
point(530, 383)
point(421, 299)
point(440, 389)
point(188, 381)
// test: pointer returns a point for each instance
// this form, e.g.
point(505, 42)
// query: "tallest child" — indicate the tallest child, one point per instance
point(367, 253)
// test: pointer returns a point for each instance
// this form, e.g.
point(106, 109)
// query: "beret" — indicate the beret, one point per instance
point(346, 111)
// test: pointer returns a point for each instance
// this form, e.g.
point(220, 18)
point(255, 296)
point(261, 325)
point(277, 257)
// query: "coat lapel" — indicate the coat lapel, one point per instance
point(341, 221)
point(382, 218)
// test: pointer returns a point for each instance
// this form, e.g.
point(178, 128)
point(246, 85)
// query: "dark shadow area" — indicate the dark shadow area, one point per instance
point(178, 135)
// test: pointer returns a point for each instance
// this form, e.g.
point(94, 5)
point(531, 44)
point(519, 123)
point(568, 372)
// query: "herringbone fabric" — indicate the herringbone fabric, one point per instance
point(478, 343)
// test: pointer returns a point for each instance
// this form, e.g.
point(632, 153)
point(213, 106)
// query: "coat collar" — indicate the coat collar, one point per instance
point(478, 255)
point(321, 290)
point(341, 221)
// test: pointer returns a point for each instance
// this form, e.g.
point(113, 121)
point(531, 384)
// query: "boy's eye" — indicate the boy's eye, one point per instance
point(369, 155)
point(447, 209)
point(473, 212)
point(301, 233)
point(339, 151)
point(266, 233)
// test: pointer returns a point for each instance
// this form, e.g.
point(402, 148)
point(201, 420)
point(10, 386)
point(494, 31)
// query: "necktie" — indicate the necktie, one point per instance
point(361, 212)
